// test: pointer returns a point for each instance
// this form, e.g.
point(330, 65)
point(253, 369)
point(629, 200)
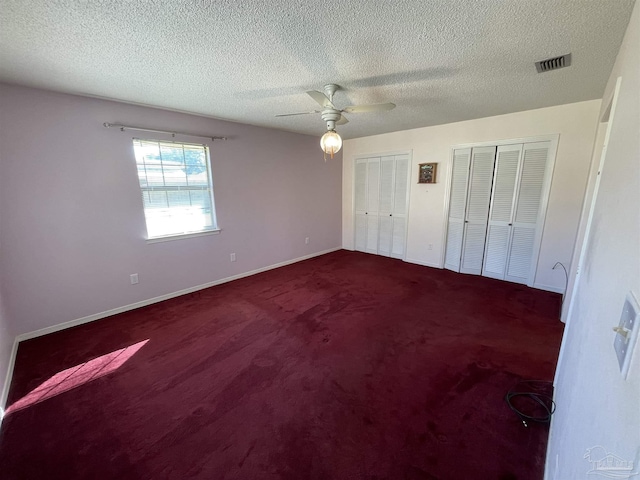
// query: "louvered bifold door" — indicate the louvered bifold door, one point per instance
point(373, 200)
point(508, 161)
point(385, 236)
point(457, 206)
point(477, 211)
point(360, 243)
point(521, 261)
point(400, 206)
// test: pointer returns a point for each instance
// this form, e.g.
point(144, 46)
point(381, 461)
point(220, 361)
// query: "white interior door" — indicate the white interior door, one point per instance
point(457, 207)
point(477, 210)
point(507, 169)
point(521, 259)
point(360, 203)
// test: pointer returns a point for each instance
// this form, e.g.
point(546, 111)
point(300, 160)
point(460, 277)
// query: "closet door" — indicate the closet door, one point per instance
point(521, 263)
point(477, 210)
point(360, 190)
point(457, 207)
point(385, 237)
point(400, 206)
point(373, 201)
point(508, 161)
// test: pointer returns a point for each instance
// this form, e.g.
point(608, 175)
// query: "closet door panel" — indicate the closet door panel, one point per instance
point(360, 204)
point(457, 206)
point(385, 205)
point(361, 232)
point(495, 257)
point(400, 207)
point(480, 181)
point(373, 185)
point(381, 187)
point(473, 248)
point(361, 186)
point(531, 182)
point(387, 166)
point(455, 232)
point(508, 159)
point(520, 256)
point(477, 211)
point(372, 234)
point(401, 185)
point(385, 235)
point(373, 203)
point(521, 261)
point(399, 236)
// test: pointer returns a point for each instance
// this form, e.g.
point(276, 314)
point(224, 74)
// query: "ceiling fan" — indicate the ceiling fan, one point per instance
point(331, 142)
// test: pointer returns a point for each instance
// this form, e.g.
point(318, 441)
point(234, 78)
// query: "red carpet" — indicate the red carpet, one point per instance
point(346, 366)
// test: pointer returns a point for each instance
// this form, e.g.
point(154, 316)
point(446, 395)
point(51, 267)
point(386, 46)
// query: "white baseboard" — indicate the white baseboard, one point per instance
point(144, 303)
point(424, 264)
point(548, 288)
point(8, 378)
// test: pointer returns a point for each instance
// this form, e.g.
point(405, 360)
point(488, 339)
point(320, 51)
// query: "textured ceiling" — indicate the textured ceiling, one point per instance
point(438, 61)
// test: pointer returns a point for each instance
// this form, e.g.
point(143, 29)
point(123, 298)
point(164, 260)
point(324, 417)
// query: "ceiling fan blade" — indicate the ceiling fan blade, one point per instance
point(321, 98)
point(377, 107)
point(342, 120)
point(292, 114)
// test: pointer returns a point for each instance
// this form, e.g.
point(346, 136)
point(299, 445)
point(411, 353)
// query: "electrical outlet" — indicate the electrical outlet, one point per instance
point(233, 257)
point(627, 333)
point(430, 247)
point(134, 278)
point(306, 240)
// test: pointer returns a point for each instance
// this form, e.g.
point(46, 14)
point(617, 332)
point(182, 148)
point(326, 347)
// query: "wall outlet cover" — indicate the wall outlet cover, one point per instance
point(627, 333)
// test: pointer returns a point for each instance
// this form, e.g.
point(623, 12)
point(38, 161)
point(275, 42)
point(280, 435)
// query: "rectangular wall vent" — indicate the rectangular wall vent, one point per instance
point(553, 63)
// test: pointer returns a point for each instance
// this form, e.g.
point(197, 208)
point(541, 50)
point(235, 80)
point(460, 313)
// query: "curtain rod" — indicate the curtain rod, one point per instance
point(173, 134)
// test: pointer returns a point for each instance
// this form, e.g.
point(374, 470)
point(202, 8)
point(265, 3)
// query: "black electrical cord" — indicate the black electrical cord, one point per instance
point(566, 281)
point(527, 389)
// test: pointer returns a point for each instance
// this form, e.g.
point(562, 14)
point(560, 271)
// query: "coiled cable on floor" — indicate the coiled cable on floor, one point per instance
point(530, 389)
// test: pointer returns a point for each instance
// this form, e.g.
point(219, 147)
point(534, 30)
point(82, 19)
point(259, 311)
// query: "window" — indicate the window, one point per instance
point(177, 191)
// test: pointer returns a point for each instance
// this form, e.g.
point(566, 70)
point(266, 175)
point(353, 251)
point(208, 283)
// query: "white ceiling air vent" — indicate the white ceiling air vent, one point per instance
point(553, 63)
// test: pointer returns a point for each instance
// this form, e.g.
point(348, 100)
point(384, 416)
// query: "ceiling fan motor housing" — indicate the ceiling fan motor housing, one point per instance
point(331, 116)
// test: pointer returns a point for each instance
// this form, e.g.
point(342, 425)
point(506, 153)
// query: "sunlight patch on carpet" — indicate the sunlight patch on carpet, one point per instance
point(76, 376)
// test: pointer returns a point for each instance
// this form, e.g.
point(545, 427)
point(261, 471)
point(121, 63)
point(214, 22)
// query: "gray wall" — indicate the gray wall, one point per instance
point(73, 223)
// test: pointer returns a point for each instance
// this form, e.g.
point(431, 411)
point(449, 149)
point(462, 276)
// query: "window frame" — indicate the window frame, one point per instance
point(215, 229)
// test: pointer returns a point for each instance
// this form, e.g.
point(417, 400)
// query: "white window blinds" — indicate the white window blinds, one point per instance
point(176, 186)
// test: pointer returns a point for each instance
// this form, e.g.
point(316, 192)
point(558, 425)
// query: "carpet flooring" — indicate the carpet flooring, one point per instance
point(345, 366)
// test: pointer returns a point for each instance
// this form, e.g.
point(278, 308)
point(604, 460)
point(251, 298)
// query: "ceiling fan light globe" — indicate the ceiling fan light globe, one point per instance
point(331, 142)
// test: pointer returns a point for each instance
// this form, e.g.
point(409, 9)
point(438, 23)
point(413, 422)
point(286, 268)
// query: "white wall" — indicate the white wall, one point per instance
point(576, 123)
point(73, 226)
point(595, 406)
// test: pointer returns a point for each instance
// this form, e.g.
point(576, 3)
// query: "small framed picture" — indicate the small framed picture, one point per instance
point(427, 172)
